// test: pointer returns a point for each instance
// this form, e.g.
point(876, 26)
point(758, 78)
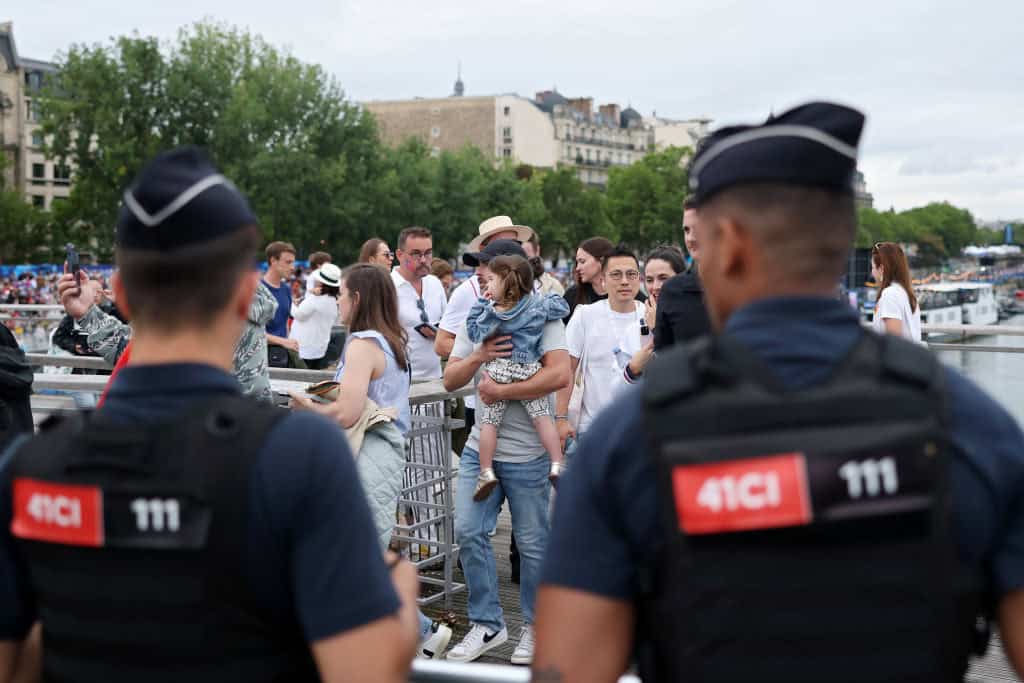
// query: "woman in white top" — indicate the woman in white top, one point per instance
point(896, 310)
point(316, 315)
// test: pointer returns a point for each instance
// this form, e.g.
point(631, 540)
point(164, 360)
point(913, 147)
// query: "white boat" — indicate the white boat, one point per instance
point(939, 308)
point(977, 302)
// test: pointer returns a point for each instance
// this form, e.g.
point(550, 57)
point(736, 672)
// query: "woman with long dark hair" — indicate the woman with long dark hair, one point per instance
point(896, 309)
point(375, 367)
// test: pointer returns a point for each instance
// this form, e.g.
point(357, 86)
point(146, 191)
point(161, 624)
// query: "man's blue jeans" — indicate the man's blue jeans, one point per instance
point(527, 489)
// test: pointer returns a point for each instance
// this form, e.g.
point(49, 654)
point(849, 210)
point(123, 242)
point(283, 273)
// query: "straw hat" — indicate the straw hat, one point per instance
point(496, 224)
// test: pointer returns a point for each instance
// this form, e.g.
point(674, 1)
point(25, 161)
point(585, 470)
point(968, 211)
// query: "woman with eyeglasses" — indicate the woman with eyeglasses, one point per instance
point(896, 309)
point(375, 251)
point(602, 338)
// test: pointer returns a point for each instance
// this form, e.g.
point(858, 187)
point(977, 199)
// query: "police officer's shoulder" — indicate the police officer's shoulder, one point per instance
point(304, 443)
point(671, 376)
point(609, 445)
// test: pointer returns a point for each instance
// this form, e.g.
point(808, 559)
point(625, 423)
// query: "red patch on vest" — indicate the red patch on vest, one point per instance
point(58, 513)
point(741, 495)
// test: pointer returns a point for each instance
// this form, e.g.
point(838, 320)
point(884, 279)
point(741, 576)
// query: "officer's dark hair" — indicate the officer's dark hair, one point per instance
point(619, 251)
point(806, 232)
point(186, 287)
point(689, 203)
point(671, 255)
point(414, 231)
point(516, 275)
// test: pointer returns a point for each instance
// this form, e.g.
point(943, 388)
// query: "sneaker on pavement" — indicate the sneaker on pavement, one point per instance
point(524, 650)
point(436, 642)
point(478, 641)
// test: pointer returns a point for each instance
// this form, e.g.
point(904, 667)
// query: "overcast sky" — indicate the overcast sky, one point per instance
point(942, 82)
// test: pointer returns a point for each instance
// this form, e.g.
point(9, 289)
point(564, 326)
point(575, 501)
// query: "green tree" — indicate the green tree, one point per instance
point(260, 112)
point(645, 200)
point(574, 212)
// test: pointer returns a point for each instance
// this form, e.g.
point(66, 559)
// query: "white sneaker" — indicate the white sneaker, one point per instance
point(524, 650)
point(478, 641)
point(436, 642)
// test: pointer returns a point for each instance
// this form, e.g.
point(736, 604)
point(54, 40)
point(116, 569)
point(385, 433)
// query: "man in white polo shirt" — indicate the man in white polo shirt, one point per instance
point(421, 300)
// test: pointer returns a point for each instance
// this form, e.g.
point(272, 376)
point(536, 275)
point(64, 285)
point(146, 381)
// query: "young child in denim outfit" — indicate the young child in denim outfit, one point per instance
point(514, 310)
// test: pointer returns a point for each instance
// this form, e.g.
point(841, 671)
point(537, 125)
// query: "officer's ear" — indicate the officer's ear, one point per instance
point(117, 284)
point(733, 242)
point(244, 293)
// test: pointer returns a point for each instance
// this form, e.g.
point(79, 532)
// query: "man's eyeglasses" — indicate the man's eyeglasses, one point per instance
point(617, 275)
point(421, 255)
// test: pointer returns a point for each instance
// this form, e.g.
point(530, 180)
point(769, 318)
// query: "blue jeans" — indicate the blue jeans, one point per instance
point(527, 489)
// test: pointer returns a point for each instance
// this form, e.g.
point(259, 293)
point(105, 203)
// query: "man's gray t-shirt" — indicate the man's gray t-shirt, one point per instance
point(518, 441)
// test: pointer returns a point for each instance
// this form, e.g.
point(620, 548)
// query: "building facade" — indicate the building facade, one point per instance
point(507, 126)
point(678, 133)
point(27, 171)
point(549, 131)
point(861, 197)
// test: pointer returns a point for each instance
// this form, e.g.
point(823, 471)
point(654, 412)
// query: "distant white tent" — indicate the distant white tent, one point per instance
point(994, 251)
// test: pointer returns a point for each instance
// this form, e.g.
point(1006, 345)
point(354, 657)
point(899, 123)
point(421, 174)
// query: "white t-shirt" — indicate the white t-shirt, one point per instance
point(455, 314)
point(311, 281)
point(314, 318)
point(894, 303)
point(517, 437)
point(604, 341)
point(425, 363)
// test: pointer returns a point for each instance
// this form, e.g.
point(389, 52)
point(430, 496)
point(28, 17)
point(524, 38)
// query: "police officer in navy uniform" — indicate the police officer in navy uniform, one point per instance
point(795, 498)
point(184, 532)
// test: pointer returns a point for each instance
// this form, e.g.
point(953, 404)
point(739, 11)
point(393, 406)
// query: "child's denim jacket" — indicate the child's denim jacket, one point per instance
point(524, 322)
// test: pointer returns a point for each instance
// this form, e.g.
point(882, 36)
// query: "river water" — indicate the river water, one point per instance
point(1000, 374)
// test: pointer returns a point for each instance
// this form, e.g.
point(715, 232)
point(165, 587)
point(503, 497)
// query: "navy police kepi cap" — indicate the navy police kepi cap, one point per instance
point(179, 199)
point(814, 145)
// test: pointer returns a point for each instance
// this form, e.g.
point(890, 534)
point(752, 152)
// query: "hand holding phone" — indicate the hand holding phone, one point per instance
point(426, 330)
point(73, 266)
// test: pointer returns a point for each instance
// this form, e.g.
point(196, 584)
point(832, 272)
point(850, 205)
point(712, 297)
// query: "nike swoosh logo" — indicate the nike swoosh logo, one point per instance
point(489, 638)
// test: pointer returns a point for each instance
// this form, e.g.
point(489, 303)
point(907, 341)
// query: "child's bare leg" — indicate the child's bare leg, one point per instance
point(486, 480)
point(488, 445)
point(548, 434)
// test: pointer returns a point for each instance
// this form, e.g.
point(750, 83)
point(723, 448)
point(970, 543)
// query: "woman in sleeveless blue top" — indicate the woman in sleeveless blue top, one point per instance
point(391, 389)
point(375, 366)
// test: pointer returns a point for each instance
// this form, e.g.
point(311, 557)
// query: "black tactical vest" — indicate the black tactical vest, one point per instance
point(136, 545)
point(806, 534)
